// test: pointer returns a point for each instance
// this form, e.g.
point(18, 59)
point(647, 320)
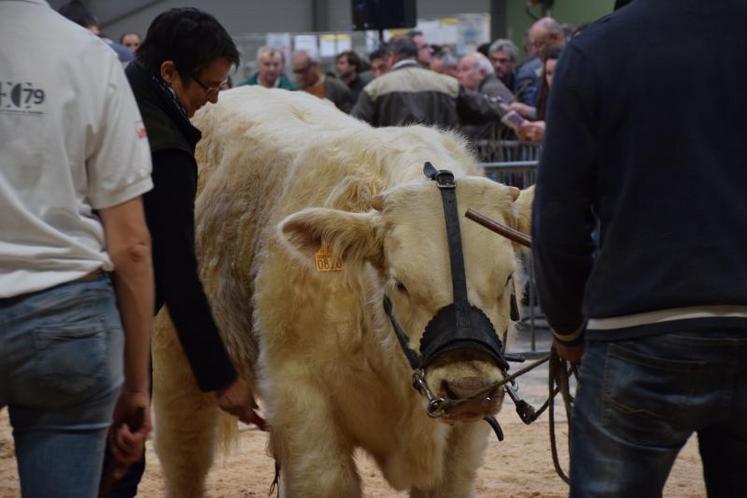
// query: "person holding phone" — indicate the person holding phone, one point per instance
point(534, 131)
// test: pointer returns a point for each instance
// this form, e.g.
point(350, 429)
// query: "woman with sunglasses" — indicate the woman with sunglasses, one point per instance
point(185, 58)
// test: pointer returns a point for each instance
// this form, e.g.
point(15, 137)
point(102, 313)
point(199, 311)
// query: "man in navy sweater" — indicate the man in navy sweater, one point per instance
point(647, 140)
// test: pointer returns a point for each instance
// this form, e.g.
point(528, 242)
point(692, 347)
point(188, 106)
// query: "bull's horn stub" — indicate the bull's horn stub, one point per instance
point(377, 202)
point(515, 192)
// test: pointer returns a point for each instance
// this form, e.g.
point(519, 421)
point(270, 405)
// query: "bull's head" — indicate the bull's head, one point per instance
point(405, 238)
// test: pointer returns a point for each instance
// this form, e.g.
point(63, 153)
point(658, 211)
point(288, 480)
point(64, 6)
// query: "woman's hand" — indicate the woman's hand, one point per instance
point(532, 132)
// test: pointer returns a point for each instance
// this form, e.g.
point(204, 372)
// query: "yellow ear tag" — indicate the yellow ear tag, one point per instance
point(326, 261)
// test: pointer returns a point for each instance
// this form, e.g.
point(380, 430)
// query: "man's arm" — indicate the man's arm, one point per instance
point(345, 98)
point(476, 108)
point(562, 215)
point(118, 171)
point(128, 246)
point(364, 108)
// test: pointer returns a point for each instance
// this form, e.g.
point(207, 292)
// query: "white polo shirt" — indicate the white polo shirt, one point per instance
point(71, 141)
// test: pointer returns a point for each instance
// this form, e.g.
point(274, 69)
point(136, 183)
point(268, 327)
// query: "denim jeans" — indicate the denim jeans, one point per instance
point(639, 401)
point(61, 368)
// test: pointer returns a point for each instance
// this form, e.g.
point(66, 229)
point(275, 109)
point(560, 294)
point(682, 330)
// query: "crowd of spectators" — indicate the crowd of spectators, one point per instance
point(432, 84)
point(494, 70)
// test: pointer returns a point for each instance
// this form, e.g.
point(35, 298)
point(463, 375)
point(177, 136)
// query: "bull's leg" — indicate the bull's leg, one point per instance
point(185, 418)
point(316, 461)
point(464, 456)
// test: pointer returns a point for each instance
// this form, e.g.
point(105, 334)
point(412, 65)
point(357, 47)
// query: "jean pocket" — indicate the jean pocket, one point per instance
point(645, 396)
point(71, 361)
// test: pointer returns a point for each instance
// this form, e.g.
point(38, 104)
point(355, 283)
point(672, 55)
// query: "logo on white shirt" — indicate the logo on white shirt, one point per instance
point(21, 96)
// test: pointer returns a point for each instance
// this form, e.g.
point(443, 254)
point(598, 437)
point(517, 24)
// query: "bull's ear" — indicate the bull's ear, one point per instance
point(350, 236)
point(523, 210)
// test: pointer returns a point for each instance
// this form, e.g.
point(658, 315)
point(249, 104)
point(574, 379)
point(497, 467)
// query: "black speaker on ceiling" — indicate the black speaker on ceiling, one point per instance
point(383, 14)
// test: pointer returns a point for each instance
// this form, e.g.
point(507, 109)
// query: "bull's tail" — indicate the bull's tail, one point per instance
point(228, 433)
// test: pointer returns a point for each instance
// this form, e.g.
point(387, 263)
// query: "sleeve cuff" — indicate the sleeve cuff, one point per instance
point(105, 200)
point(570, 338)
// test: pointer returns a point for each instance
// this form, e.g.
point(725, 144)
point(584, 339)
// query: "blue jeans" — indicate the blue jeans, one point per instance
point(61, 368)
point(639, 401)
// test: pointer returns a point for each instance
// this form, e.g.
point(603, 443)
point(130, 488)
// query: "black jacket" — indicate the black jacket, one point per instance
point(169, 211)
point(646, 134)
point(338, 93)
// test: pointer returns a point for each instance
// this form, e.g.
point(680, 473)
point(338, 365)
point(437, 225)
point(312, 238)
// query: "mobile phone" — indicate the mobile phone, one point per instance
point(513, 120)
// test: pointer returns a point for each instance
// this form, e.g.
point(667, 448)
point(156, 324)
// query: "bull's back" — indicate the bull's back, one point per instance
point(257, 147)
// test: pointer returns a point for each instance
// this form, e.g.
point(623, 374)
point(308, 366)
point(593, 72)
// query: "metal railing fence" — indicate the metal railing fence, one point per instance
point(515, 163)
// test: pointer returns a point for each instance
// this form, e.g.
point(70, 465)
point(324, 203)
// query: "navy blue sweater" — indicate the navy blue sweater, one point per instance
point(646, 135)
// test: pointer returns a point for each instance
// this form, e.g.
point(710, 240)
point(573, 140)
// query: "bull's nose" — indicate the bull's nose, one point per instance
point(465, 387)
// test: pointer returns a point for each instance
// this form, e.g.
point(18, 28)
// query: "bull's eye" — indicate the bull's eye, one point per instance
point(400, 287)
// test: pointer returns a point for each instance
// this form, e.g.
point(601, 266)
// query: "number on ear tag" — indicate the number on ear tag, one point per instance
point(326, 261)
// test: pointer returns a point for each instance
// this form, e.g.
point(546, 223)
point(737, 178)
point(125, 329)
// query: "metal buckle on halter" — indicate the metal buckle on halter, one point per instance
point(443, 177)
point(436, 406)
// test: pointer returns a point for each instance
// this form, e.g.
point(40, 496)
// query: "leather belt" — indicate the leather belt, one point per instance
point(89, 277)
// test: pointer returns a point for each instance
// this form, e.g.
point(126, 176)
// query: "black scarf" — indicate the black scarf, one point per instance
point(162, 112)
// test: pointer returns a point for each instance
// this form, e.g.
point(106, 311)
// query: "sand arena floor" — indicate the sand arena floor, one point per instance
point(520, 466)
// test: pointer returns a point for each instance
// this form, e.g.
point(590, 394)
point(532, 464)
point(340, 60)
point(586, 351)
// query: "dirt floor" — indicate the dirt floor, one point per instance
point(520, 466)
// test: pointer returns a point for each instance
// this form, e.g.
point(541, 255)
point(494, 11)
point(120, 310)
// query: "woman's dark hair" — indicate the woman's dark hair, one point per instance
point(551, 54)
point(484, 49)
point(193, 39)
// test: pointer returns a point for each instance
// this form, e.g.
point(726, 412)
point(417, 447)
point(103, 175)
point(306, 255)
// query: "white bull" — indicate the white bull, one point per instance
point(287, 189)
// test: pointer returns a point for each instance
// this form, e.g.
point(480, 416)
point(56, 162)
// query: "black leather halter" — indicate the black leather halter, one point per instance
point(459, 325)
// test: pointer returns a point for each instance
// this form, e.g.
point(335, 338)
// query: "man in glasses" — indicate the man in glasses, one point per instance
point(180, 66)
